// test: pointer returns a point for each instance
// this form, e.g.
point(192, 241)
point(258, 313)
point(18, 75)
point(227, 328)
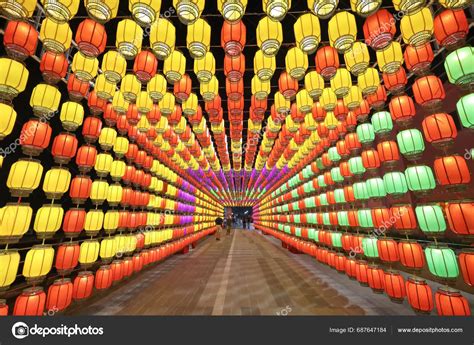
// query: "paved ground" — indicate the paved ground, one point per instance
point(246, 273)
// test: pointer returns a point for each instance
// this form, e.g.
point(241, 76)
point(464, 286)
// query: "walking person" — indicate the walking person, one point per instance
point(219, 222)
point(228, 225)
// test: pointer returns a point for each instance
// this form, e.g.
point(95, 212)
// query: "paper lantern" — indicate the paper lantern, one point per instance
point(102, 10)
point(24, 177)
point(13, 80)
point(442, 262)
point(174, 66)
point(411, 143)
point(287, 85)
point(128, 38)
point(269, 36)
point(45, 100)
point(394, 286)
point(466, 258)
point(390, 59)
point(411, 254)
point(234, 67)
point(439, 129)
point(450, 28)
point(452, 171)
point(18, 9)
point(395, 82)
point(402, 109)
point(463, 105)
point(323, 8)
point(144, 12)
point(419, 295)
point(55, 36)
point(198, 38)
point(162, 38)
point(233, 37)
point(73, 223)
point(261, 89)
point(431, 219)
point(458, 65)
point(341, 82)
point(113, 66)
point(379, 29)
point(368, 81)
point(89, 252)
point(31, 302)
point(417, 27)
point(53, 67)
point(357, 58)
point(429, 91)
point(91, 38)
point(77, 89)
point(450, 302)
point(10, 260)
point(145, 66)
point(59, 295)
point(38, 263)
point(20, 40)
point(7, 121)
point(67, 255)
point(296, 63)
point(307, 33)
point(232, 11)
point(342, 30)
point(420, 178)
point(460, 218)
point(327, 61)
point(83, 285)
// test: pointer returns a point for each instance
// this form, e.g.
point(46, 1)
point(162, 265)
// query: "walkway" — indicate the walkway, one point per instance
point(246, 273)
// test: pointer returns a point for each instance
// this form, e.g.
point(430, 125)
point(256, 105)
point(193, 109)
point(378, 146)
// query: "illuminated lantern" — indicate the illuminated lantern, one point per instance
point(375, 278)
point(3, 308)
point(45, 100)
point(307, 32)
point(382, 123)
point(458, 66)
point(460, 218)
point(420, 178)
point(188, 10)
point(91, 38)
point(20, 40)
point(365, 7)
point(83, 285)
point(38, 263)
point(411, 143)
point(269, 36)
point(296, 63)
point(341, 82)
point(390, 59)
point(419, 295)
point(361, 272)
point(357, 58)
point(395, 183)
point(431, 219)
point(287, 85)
point(261, 89)
point(73, 222)
point(417, 27)
point(402, 109)
point(439, 129)
point(428, 91)
point(103, 277)
point(353, 98)
point(418, 58)
point(162, 38)
point(96, 104)
point(327, 61)
point(368, 81)
point(130, 87)
point(104, 88)
point(379, 29)
point(342, 30)
point(174, 66)
point(10, 260)
point(13, 80)
point(55, 36)
point(394, 286)
point(113, 66)
point(59, 295)
point(49, 217)
point(465, 114)
point(145, 12)
point(323, 8)
point(395, 82)
point(86, 157)
point(129, 38)
point(198, 38)
point(405, 220)
point(18, 9)
point(466, 259)
point(31, 302)
point(411, 254)
point(67, 256)
point(7, 121)
point(452, 171)
point(328, 100)
point(450, 302)
point(442, 262)
point(91, 129)
point(233, 37)
point(64, 147)
point(450, 28)
point(145, 66)
point(89, 252)
point(77, 89)
point(24, 177)
point(234, 67)
point(314, 84)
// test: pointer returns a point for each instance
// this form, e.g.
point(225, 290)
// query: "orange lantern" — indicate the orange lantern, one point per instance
point(145, 66)
point(83, 285)
point(288, 86)
point(59, 295)
point(182, 88)
point(439, 129)
point(53, 67)
point(452, 171)
point(418, 59)
point(233, 37)
point(234, 67)
point(327, 61)
point(20, 39)
point(402, 109)
point(429, 91)
point(91, 38)
point(76, 88)
point(379, 29)
point(30, 302)
point(395, 82)
point(419, 295)
point(451, 28)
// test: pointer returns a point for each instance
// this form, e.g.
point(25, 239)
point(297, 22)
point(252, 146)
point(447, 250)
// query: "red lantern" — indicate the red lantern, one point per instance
point(287, 85)
point(175, 116)
point(35, 137)
point(327, 62)
point(64, 147)
point(154, 115)
point(352, 143)
point(133, 116)
point(95, 103)
point(395, 82)
point(439, 129)
point(73, 223)
point(91, 38)
point(388, 152)
point(411, 254)
point(233, 37)
point(418, 59)
point(213, 107)
point(402, 109)
point(234, 90)
point(53, 66)
point(460, 216)
point(351, 121)
point(377, 99)
point(394, 286)
point(137, 262)
point(103, 277)
point(419, 295)
point(30, 302)
point(405, 220)
point(379, 29)
point(361, 272)
point(59, 295)
point(80, 189)
point(91, 129)
point(82, 285)
point(370, 159)
point(20, 39)
point(450, 302)
point(3, 307)
point(319, 114)
point(428, 91)
point(76, 88)
point(234, 67)
point(341, 110)
point(145, 66)
point(452, 171)
point(67, 257)
point(451, 28)
point(466, 262)
point(350, 268)
point(258, 105)
point(85, 158)
point(182, 88)
point(362, 111)
point(388, 250)
point(110, 115)
point(375, 278)
point(117, 268)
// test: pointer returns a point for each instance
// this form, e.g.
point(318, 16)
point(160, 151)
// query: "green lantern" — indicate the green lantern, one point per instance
point(336, 175)
point(375, 188)
point(319, 163)
point(326, 219)
point(297, 219)
point(295, 206)
point(323, 199)
point(365, 133)
point(321, 182)
point(459, 66)
point(343, 218)
point(360, 191)
point(336, 239)
point(382, 122)
point(279, 209)
point(298, 232)
point(442, 262)
point(334, 156)
point(287, 229)
point(311, 218)
point(364, 217)
point(356, 166)
point(281, 227)
point(316, 235)
point(395, 183)
point(285, 208)
point(465, 107)
point(369, 246)
point(339, 196)
point(420, 178)
point(309, 202)
point(308, 187)
point(431, 219)
point(294, 194)
point(311, 234)
point(411, 143)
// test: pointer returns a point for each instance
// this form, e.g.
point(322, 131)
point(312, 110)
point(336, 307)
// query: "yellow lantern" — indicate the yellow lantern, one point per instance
point(56, 37)
point(323, 8)
point(107, 138)
point(310, 123)
point(94, 221)
point(314, 84)
point(162, 38)
point(71, 115)
point(111, 221)
point(390, 59)
point(18, 9)
point(269, 36)
point(103, 164)
point(108, 248)
point(307, 33)
point(341, 82)
point(205, 68)
point(89, 252)
point(9, 261)
point(117, 170)
point(455, 4)
point(38, 262)
point(174, 66)
point(357, 58)
point(330, 120)
point(56, 182)
point(99, 190)
point(282, 104)
point(260, 89)
point(61, 11)
point(129, 38)
point(264, 66)
point(119, 104)
point(198, 38)
point(130, 87)
point(48, 220)
point(291, 125)
point(84, 67)
point(105, 89)
point(113, 66)
point(408, 6)
point(276, 9)
point(314, 138)
point(188, 10)
point(365, 7)
point(328, 99)
point(232, 10)
point(418, 27)
point(180, 127)
point(13, 78)
point(156, 87)
point(143, 125)
point(114, 194)
point(342, 29)
point(167, 104)
point(304, 102)
point(209, 90)
point(162, 125)
point(296, 63)
point(24, 177)
point(121, 146)
point(190, 105)
point(353, 98)
point(16, 219)
point(144, 12)
point(144, 103)
point(369, 81)
point(7, 120)
point(45, 100)
point(102, 10)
